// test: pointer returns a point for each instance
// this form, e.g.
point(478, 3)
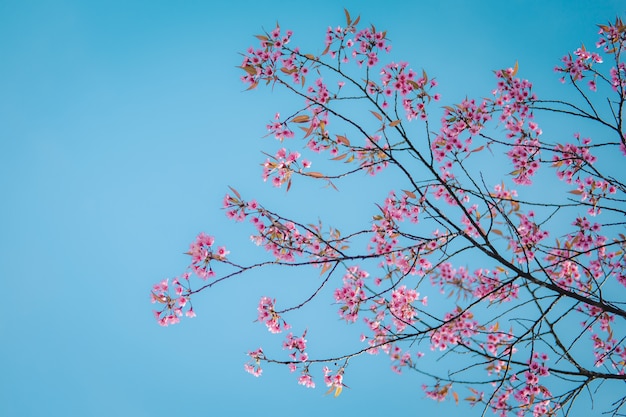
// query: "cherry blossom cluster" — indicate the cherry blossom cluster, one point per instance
point(578, 65)
point(532, 391)
point(296, 66)
point(525, 155)
point(268, 316)
point(529, 394)
point(458, 327)
point(298, 346)
point(178, 303)
point(613, 37)
point(282, 165)
point(472, 221)
point(202, 254)
point(318, 92)
point(528, 236)
point(487, 284)
point(592, 190)
point(351, 295)
point(334, 380)
point(466, 117)
point(482, 283)
point(254, 366)
point(400, 359)
point(401, 307)
point(415, 92)
point(374, 158)
point(341, 37)
point(438, 392)
point(263, 63)
point(368, 44)
point(442, 191)
point(384, 240)
point(284, 239)
point(607, 349)
point(364, 46)
point(398, 209)
point(618, 79)
point(612, 41)
point(173, 304)
point(306, 379)
point(378, 341)
point(503, 201)
point(513, 96)
point(403, 314)
point(497, 339)
point(280, 130)
point(237, 209)
point(570, 158)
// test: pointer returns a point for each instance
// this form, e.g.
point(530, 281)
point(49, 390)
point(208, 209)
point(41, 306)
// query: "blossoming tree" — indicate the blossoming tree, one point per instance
point(518, 239)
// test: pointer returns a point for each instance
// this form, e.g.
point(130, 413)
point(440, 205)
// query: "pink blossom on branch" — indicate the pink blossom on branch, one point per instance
point(458, 261)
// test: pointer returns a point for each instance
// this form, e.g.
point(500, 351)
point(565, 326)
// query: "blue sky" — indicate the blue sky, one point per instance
point(121, 125)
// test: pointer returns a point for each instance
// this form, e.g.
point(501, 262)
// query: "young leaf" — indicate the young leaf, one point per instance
point(235, 191)
point(308, 131)
point(409, 193)
point(303, 118)
point(378, 116)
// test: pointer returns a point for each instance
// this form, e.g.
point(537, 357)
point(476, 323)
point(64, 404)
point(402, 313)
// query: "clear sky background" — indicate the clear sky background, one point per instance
point(121, 125)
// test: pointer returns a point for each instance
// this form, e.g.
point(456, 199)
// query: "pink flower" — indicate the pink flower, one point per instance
point(306, 380)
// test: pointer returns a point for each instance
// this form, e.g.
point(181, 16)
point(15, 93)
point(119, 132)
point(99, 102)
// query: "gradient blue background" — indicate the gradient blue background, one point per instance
point(121, 125)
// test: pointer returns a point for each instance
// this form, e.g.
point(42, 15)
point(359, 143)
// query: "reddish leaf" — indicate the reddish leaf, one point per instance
point(308, 131)
point(409, 193)
point(235, 191)
point(249, 69)
point(303, 118)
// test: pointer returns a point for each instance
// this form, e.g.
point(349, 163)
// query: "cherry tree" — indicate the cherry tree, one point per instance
point(498, 252)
